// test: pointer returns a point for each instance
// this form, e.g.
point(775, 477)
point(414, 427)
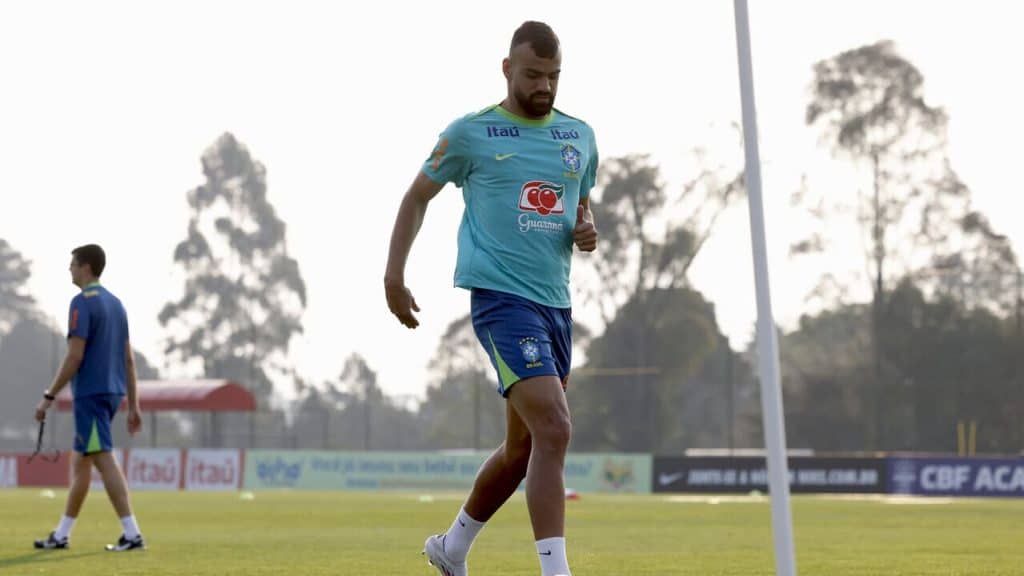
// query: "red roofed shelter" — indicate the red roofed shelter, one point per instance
point(183, 396)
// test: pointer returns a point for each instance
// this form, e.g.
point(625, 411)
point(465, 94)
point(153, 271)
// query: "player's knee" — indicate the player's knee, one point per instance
point(81, 466)
point(553, 433)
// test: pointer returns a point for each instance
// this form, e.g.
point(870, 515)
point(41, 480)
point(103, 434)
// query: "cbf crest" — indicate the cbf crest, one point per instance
point(571, 158)
point(531, 351)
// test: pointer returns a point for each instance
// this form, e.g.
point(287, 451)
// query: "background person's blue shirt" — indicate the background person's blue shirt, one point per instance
point(99, 318)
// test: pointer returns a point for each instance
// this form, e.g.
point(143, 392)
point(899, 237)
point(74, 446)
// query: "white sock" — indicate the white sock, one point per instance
point(64, 528)
point(459, 538)
point(551, 552)
point(131, 528)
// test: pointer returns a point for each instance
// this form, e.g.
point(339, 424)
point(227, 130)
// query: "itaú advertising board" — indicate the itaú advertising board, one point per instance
point(957, 476)
point(153, 469)
point(144, 469)
point(213, 470)
point(171, 469)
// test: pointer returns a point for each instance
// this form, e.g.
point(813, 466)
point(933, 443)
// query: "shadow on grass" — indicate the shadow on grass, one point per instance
point(44, 556)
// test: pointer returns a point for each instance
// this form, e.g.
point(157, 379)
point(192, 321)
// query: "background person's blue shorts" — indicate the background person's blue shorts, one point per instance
point(524, 339)
point(93, 416)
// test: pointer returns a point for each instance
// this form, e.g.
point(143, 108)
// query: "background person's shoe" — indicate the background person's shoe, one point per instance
point(125, 544)
point(51, 543)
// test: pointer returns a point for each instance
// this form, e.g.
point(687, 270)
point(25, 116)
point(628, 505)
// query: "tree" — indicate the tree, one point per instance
point(30, 354)
point(956, 362)
point(361, 396)
point(314, 418)
point(386, 424)
point(353, 413)
point(642, 246)
point(658, 332)
point(462, 409)
point(869, 105)
point(947, 363)
point(144, 369)
point(640, 410)
point(824, 363)
point(976, 266)
point(244, 295)
point(15, 302)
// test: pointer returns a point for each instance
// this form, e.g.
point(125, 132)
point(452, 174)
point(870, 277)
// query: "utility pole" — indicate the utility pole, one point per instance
point(1020, 303)
point(1019, 367)
point(366, 416)
point(877, 309)
point(729, 379)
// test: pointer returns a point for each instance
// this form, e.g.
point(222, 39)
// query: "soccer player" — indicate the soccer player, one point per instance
point(101, 368)
point(526, 170)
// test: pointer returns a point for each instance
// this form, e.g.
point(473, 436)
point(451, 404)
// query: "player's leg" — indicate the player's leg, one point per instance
point(114, 482)
point(514, 334)
point(85, 412)
point(540, 402)
point(81, 477)
point(502, 473)
point(531, 347)
point(117, 492)
point(113, 479)
point(81, 469)
point(497, 480)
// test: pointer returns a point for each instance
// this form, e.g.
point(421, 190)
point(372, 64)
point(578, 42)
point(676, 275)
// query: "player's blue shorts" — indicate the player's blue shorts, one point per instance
point(524, 339)
point(93, 415)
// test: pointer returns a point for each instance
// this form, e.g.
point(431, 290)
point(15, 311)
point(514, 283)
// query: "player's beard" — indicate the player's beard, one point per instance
point(533, 106)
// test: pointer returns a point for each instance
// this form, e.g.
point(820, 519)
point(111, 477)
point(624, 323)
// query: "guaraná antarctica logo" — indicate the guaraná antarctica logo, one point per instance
point(542, 197)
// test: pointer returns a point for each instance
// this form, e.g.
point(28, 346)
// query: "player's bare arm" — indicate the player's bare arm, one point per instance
point(68, 369)
point(134, 413)
point(584, 235)
point(407, 225)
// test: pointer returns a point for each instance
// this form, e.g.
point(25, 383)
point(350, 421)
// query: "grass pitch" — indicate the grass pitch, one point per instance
point(315, 533)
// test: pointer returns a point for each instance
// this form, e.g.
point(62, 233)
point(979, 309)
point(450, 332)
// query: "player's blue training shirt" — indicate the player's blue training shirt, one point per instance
point(98, 317)
point(521, 181)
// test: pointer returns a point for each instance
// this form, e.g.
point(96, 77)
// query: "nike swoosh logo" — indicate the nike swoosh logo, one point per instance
point(665, 479)
point(500, 157)
point(548, 553)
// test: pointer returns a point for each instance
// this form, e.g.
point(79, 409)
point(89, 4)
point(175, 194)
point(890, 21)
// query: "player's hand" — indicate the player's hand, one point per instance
point(134, 420)
point(584, 234)
point(41, 409)
point(402, 304)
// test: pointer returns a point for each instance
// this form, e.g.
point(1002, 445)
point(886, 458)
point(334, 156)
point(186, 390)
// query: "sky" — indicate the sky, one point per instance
point(106, 108)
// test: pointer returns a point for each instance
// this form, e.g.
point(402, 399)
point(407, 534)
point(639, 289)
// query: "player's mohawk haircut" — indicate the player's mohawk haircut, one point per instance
point(540, 36)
